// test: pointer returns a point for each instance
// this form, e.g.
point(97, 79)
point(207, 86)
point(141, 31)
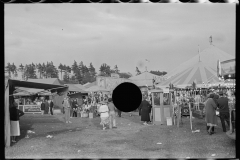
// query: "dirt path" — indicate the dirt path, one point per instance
point(84, 138)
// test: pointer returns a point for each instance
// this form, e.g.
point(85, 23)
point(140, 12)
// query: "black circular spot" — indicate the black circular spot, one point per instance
point(127, 97)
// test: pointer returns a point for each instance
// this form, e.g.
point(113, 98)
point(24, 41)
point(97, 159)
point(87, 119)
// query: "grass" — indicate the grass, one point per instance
point(84, 138)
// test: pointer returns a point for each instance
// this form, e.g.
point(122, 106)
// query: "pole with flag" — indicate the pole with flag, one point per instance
point(147, 62)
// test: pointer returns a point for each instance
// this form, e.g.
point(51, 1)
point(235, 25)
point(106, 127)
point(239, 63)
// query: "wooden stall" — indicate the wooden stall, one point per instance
point(162, 106)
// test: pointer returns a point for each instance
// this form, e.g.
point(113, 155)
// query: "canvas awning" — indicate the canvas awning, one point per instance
point(97, 89)
point(10, 86)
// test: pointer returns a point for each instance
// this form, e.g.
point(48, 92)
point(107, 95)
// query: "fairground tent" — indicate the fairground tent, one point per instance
point(87, 85)
point(96, 89)
point(144, 79)
point(208, 56)
point(199, 73)
point(74, 88)
point(201, 68)
point(10, 86)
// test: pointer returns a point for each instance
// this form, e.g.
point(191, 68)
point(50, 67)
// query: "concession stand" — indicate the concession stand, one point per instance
point(162, 106)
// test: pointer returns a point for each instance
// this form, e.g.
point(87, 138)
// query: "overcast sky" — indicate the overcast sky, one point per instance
point(122, 34)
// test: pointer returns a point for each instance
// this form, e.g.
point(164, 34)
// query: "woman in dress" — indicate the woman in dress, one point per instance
point(104, 114)
point(145, 110)
point(14, 121)
point(210, 114)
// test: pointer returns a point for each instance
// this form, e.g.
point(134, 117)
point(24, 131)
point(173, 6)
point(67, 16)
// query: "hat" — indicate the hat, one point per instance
point(220, 92)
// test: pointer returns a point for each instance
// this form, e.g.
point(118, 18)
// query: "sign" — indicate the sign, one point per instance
point(31, 109)
point(115, 75)
point(165, 90)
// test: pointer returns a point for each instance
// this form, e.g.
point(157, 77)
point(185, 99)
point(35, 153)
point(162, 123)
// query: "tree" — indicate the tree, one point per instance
point(44, 70)
point(75, 67)
point(92, 72)
point(116, 69)
point(8, 69)
point(61, 69)
point(105, 70)
point(21, 69)
point(124, 75)
point(14, 69)
point(138, 71)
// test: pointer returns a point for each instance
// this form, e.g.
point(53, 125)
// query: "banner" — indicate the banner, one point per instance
point(32, 109)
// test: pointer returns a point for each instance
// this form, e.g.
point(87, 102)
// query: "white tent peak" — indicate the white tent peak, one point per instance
point(209, 56)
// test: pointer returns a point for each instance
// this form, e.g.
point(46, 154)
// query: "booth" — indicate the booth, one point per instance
point(162, 105)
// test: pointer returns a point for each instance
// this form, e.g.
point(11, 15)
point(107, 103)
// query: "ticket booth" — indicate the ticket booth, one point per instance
point(162, 105)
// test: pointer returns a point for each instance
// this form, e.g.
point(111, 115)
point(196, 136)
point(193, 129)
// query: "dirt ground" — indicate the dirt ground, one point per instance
point(84, 138)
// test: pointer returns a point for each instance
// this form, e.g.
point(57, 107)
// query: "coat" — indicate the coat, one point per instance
point(46, 107)
point(42, 106)
point(210, 111)
point(145, 108)
point(223, 105)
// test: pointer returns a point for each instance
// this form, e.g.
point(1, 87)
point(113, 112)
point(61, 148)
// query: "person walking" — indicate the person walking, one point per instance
point(104, 114)
point(66, 106)
point(14, 121)
point(51, 107)
point(71, 107)
point(223, 110)
point(112, 119)
point(46, 107)
point(145, 110)
point(210, 114)
point(74, 107)
point(42, 107)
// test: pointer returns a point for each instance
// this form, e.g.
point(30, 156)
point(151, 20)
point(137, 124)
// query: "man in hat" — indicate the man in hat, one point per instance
point(223, 110)
point(66, 106)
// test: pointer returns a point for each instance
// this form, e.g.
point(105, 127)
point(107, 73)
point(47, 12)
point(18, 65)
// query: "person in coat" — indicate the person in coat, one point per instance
point(223, 110)
point(112, 119)
point(46, 107)
point(14, 121)
point(145, 110)
point(42, 107)
point(210, 114)
point(51, 107)
point(66, 106)
point(74, 107)
point(104, 114)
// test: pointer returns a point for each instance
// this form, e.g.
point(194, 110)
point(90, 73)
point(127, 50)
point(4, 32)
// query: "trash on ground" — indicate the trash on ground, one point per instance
point(49, 136)
point(29, 131)
point(198, 130)
point(213, 155)
point(159, 143)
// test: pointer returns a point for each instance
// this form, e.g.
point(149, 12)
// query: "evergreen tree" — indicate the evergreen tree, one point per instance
point(138, 71)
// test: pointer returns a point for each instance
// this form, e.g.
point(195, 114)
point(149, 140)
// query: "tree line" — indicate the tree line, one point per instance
point(81, 73)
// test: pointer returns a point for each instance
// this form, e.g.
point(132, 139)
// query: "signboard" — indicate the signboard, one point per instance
point(30, 108)
point(165, 90)
point(115, 75)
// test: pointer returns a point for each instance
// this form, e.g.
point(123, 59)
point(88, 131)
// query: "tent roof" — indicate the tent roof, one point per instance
point(90, 84)
point(73, 88)
point(46, 81)
point(209, 56)
point(27, 84)
point(80, 86)
point(96, 89)
point(144, 79)
point(198, 73)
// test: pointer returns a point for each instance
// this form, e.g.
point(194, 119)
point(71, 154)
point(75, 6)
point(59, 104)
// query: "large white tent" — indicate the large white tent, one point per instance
point(209, 56)
point(200, 69)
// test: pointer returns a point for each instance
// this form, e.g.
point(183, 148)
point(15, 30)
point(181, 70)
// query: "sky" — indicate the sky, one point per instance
point(116, 34)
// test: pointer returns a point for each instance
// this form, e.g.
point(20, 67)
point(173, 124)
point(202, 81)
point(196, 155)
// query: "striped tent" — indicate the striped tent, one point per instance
point(201, 68)
point(209, 56)
point(199, 73)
